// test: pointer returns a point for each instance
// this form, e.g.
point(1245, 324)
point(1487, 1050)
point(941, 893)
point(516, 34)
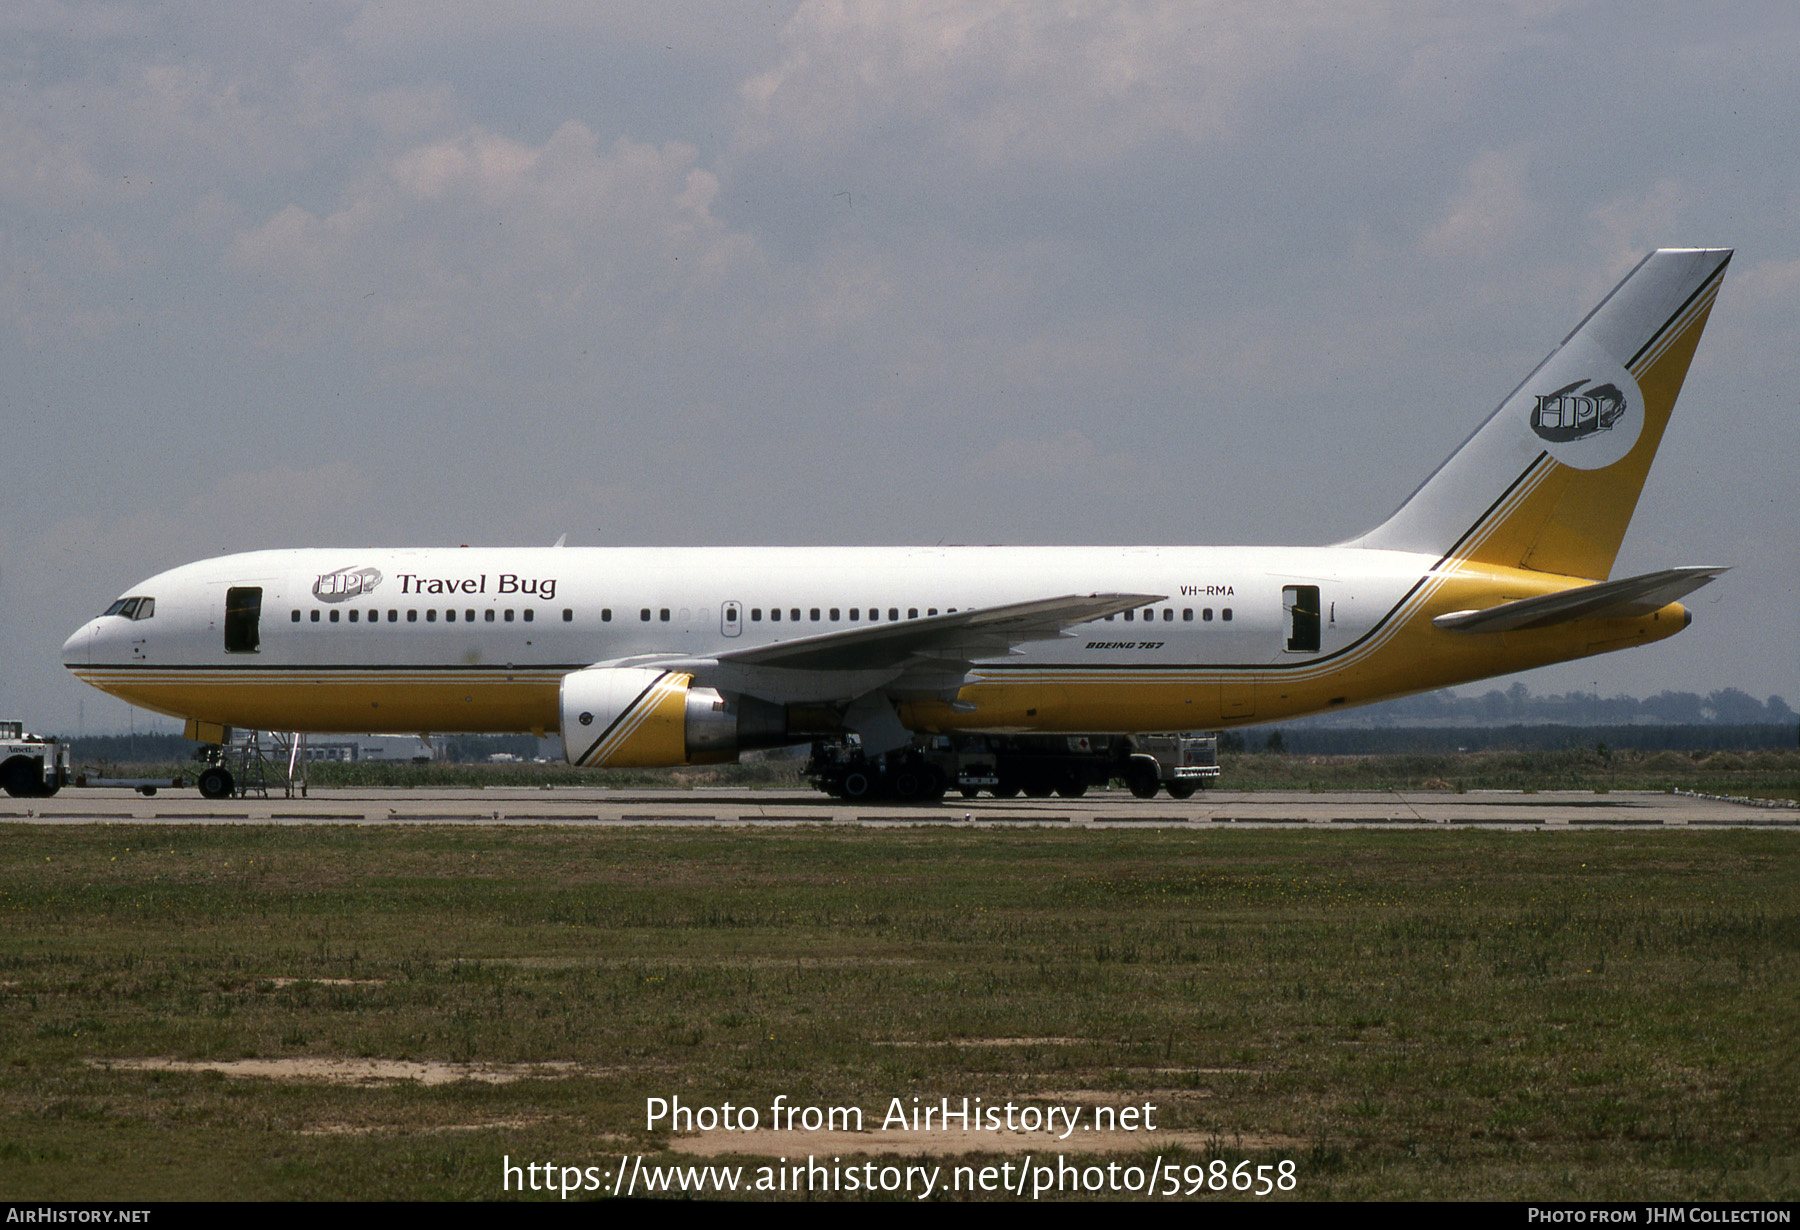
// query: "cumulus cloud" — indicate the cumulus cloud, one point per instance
point(1493, 208)
point(1083, 82)
point(483, 233)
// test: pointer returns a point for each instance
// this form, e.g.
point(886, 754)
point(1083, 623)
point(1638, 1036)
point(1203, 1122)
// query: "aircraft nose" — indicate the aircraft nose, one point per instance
point(78, 649)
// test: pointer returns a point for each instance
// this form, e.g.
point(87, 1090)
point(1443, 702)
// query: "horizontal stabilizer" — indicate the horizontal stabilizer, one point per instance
point(1623, 599)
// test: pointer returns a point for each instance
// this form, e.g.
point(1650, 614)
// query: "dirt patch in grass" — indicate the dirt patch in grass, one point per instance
point(986, 1042)
point(279, 983)
point(953, 1142)
point(356, 1071)
point(407, 1129)
point(1118, 1097)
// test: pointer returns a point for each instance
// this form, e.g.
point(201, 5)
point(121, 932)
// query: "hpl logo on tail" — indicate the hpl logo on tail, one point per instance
point(1568, 415)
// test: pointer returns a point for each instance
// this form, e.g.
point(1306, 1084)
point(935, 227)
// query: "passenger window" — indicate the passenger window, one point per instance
point(1168, 614)
point(1187, 614)
point(834, 614)
point(755, 614)
point(296, 616)
point(352, 614)
point(794, 615)
point(528, 614)
point(643, 614)
point(912, 612)
point(431, 615)
point(1225, 614)
point(605, 615)
point(1206, 615)
point(774, 614)
point(488, 615)
point(568, 615)
point(1130, 615)
point(412, 615)
point(315, 616)
point(815, 614)
point(450, 616)
point(893, 613)
point(932, 611)
point(507, 616)
point(664, 614)
point(469, 617)
point(853, 611)
point(393, 616)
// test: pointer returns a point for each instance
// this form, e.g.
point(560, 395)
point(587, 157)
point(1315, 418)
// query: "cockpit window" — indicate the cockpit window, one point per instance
point(132, 608)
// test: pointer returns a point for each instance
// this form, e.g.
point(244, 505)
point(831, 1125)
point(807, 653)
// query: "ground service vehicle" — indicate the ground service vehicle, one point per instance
point(31, 767)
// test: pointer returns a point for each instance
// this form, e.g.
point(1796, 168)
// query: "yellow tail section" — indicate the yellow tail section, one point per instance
point(1549, 483)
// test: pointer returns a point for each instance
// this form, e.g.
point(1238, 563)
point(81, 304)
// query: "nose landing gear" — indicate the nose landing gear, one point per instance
point(217, 783)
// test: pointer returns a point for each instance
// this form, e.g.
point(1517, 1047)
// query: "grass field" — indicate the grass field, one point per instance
point(1565, 1015)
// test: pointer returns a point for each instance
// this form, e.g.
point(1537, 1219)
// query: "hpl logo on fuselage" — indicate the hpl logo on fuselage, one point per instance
point(1568, 415)
point(345, 584)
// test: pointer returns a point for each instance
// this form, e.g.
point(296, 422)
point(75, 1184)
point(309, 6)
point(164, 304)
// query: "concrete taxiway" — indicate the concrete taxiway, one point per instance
point(584, 806)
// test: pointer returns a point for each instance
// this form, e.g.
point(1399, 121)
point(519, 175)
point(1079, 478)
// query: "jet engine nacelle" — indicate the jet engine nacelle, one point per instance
point(642, 717)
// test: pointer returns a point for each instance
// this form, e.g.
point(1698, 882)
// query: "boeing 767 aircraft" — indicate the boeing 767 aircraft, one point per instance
point(1499, 562)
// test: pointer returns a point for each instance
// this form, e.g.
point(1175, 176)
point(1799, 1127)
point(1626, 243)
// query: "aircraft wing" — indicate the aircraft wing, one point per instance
point(929, 654)
point(981, 632)
point(1631, 596)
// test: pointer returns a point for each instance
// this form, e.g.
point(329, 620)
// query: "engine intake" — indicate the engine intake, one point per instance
point(641, 717)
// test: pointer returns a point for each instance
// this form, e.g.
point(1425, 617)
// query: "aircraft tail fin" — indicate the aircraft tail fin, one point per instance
point(1550, 480)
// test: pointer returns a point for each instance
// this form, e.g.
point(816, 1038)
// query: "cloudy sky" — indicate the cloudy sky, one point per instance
point(1237, 272)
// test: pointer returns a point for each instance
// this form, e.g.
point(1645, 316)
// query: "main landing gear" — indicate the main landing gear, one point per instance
point(905, 776)
point(1006, 766)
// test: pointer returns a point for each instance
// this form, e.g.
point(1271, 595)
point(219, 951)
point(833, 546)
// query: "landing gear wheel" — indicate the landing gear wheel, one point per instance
point(936, 784)
point(858, 785)
point(1140, 777)
point(969, 792)
point(1072, 790)
point(1039, 788)
point(1182, 790)
point(909, 784)
point(1007, 790)
point(216, 783)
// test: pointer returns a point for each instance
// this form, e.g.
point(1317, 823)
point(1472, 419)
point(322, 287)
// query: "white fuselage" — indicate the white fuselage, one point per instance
point(527, 616)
